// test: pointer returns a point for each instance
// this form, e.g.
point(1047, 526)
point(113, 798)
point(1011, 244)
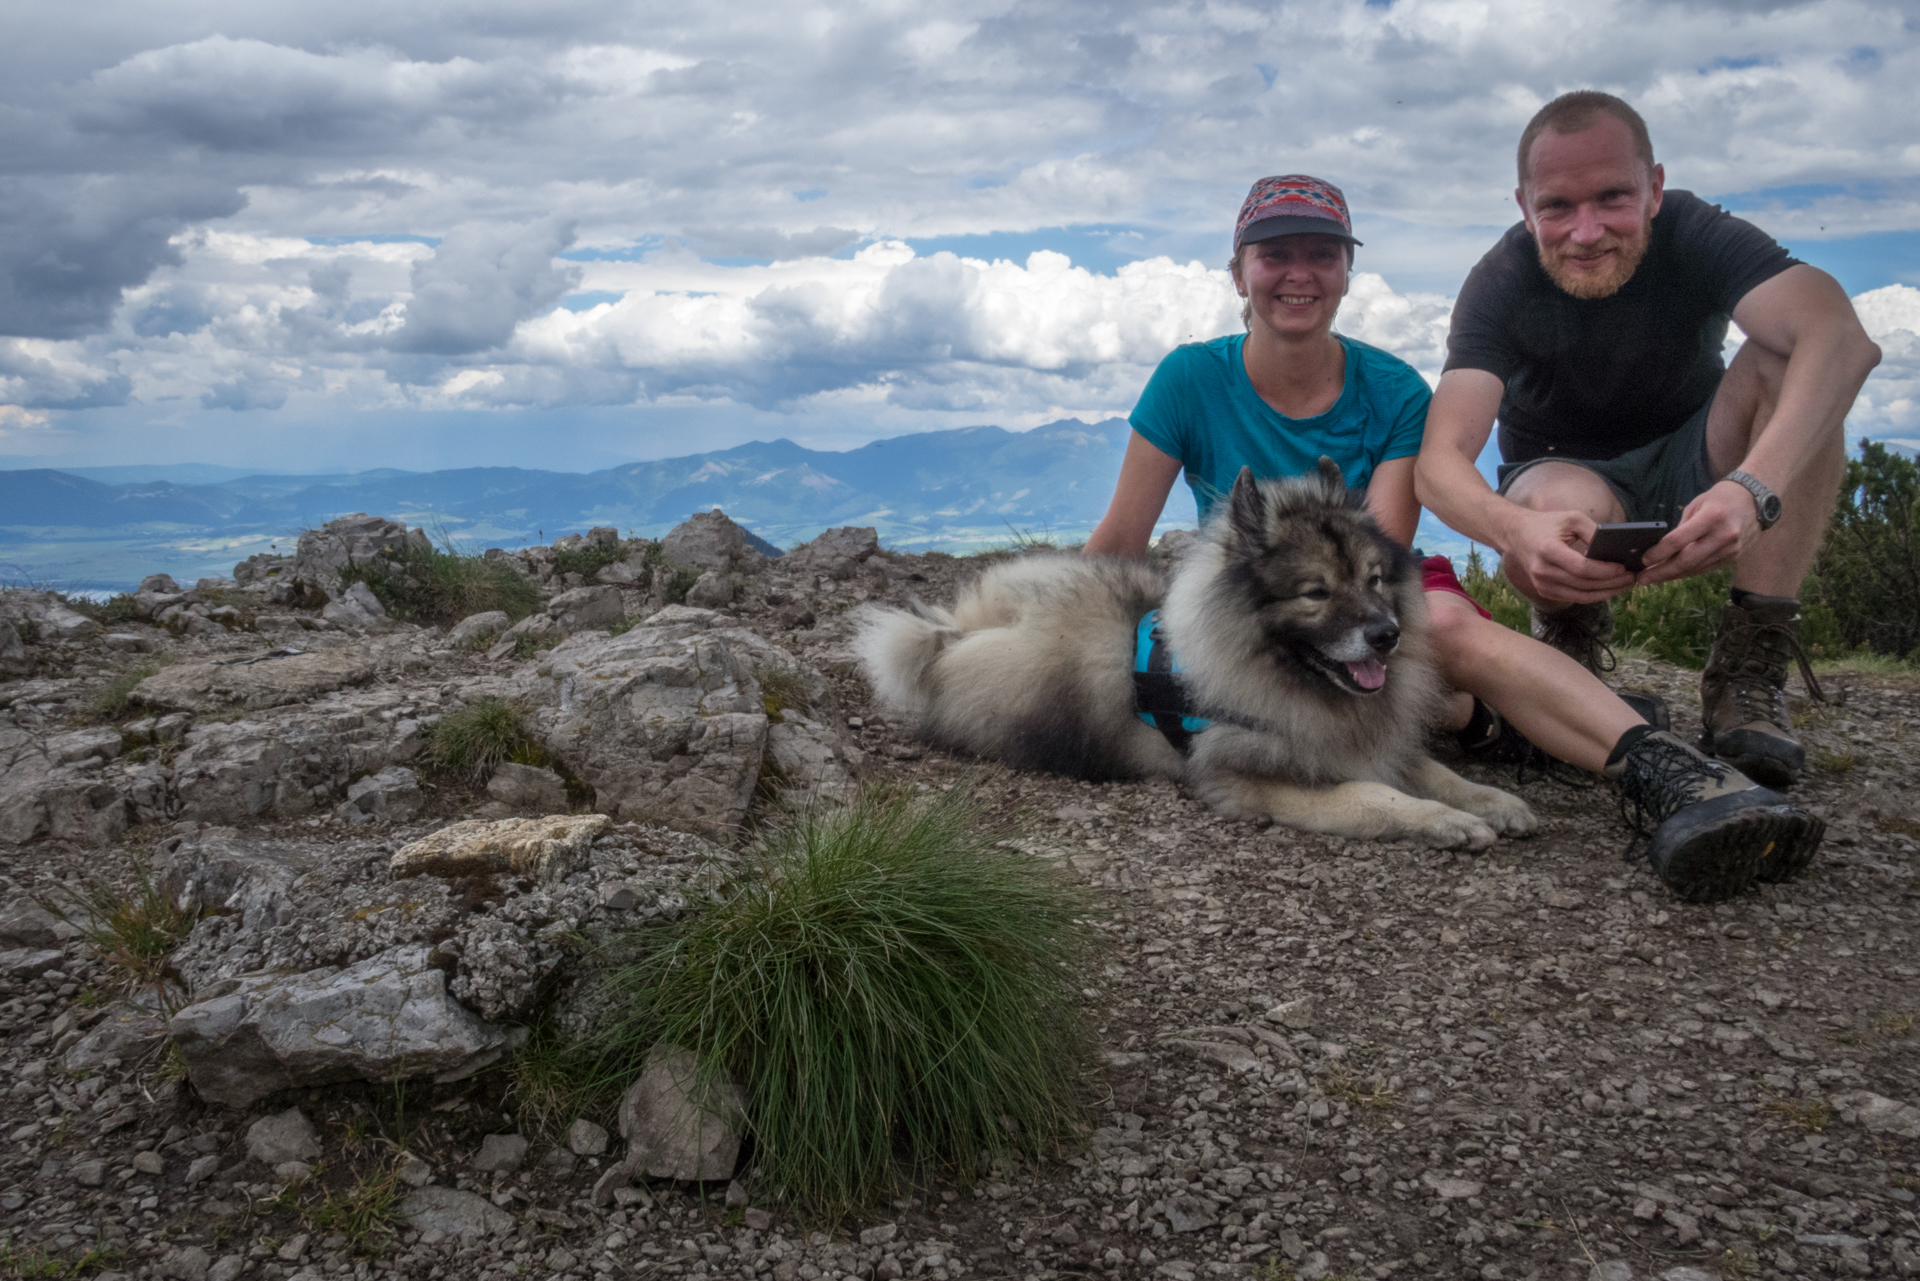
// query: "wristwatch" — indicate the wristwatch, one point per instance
point(1765, 500)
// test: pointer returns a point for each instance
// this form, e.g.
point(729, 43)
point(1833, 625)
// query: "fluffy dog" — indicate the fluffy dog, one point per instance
point(1300, 633)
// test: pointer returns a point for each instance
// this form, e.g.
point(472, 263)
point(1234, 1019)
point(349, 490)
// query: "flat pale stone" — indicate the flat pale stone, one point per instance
point(546, 849)
point(1451, 1189)
point(458, 1214)
point(260, 682)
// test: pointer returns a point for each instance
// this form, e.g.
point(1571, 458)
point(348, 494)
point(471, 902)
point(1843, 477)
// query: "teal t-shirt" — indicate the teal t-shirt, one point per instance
point(1201, 408)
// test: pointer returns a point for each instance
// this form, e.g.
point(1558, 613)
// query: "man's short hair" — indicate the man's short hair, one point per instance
point(1576, 112)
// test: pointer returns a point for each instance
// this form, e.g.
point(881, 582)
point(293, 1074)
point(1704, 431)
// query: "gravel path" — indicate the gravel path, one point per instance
point(1322, 1058)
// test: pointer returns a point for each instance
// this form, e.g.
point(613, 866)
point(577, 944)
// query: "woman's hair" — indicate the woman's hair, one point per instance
point(1246, 304)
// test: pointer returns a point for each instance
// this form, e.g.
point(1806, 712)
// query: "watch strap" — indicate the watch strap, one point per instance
point(1766, 503)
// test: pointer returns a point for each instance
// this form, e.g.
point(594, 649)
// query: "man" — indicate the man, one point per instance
point(1593, 331)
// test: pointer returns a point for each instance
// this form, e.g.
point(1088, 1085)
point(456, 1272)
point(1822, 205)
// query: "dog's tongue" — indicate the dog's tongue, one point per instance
point(1368, 674)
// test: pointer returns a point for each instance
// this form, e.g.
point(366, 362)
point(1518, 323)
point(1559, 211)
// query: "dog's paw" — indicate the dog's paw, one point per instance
point(1453, 829)
point(1504, 812)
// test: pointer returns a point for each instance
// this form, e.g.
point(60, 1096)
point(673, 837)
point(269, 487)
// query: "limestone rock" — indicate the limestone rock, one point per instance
point(584, 1138)
point(478, 627)
point(500, 1154)
point(546, 849)
point(711, 590)
point(390, 796)
point(709, 540)
point(14, 658)
point(1880, 1114)
point(282, 1137)
point(681, 1127)
point(25, 923)
point(322, 553)
point(161, 583)
point(528, 787)
point(502, 971)
point(42, 796)
point(662, 722)
point(835, 553)
point(356, 606)
point(127, 1035)
point(296, 759)
point(465, 1215)
point(262, 567)
point(184, 1263)
point(386, 1018)
point(273, 679)
point(586, 608)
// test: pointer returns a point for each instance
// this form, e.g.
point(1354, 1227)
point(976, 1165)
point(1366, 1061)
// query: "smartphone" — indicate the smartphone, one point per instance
point(1624, 544)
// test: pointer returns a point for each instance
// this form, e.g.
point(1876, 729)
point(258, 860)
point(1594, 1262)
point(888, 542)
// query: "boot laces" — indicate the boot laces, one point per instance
point(1660, 778)
point(1757, 658)
point(1578, 632)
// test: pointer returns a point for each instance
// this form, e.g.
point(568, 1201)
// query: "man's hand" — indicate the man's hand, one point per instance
point(1717, 527)
point(1546, 558)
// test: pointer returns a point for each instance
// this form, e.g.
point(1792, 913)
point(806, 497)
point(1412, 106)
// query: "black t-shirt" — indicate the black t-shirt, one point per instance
point(1594, 378)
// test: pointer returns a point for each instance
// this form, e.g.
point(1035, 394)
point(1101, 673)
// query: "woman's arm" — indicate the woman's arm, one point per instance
point(1391, 501)
point(1146, 477)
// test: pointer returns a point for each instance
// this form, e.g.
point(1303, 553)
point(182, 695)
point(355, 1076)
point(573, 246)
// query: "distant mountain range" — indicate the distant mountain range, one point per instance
point(946, 489)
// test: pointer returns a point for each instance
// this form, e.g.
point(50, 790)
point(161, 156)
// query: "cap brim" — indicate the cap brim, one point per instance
point(1294, 225)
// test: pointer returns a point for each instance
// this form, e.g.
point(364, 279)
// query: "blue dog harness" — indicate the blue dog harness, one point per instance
point(1158, 694)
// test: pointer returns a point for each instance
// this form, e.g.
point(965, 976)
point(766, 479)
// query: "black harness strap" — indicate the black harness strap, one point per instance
point(1158, 693)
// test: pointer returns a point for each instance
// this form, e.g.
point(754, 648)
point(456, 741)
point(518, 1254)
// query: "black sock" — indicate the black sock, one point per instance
point(1739, 596)
point(1628, 741)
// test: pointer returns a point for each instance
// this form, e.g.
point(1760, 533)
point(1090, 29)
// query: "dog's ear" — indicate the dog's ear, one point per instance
point(1247, 507)
point(1331, 480)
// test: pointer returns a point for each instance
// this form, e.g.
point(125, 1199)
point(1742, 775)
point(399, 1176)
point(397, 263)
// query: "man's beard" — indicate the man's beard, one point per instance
point(1587, 284)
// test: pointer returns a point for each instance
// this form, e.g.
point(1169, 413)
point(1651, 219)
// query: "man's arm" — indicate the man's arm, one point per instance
point(1146, 477)
point(1390, 499)
point(1544, 552)
point(1805, 317)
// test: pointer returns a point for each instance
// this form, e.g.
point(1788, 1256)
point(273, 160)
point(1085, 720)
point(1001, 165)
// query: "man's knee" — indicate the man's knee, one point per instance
point(1563, 487)
point(1456, 629)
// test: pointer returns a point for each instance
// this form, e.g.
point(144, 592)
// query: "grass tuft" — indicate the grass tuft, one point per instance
point(472, 740)
point(367, 1213)
point(132, 928)
point(114, 700)
point(1811, 1115)
point(442, 586)
point(897, 989)
point(784, 689)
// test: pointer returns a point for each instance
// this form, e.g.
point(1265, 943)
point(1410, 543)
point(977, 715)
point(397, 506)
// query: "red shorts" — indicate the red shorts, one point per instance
point(1436, 575)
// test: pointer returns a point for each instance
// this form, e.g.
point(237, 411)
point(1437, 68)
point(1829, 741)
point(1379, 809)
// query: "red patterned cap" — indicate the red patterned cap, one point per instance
point(1290, 205)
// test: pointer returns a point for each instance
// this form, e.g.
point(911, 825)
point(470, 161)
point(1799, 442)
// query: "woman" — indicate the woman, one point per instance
point(1290, 390)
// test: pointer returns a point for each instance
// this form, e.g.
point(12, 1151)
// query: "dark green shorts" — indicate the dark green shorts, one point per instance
point(1653, 482)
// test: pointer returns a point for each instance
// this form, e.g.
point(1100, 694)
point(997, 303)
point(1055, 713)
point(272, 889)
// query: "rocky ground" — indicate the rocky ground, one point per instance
point(1320, 1058)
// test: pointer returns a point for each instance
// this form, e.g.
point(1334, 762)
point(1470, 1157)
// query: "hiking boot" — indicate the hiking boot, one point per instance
point(1491, 739)
point(1648, 706)
point(1579, 631)
point(1743, 696)
point(1709, 831)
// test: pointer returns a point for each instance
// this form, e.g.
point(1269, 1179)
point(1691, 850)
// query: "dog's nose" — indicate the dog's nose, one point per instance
point(1383, 637)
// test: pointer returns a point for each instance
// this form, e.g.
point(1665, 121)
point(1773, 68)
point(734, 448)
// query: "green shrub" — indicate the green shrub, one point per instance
point(679, 585)
point(472, 740)
point(1867, 576)
point(890, 984)
point(114, 700)
point(440, 587)
point(587, 559)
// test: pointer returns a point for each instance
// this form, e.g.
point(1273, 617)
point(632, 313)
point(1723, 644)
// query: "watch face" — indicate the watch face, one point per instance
point(1770, 508)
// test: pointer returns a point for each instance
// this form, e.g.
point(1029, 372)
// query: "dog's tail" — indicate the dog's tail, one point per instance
point(897, 650)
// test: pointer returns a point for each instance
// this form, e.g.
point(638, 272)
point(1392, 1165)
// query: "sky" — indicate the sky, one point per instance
point(569, 234)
